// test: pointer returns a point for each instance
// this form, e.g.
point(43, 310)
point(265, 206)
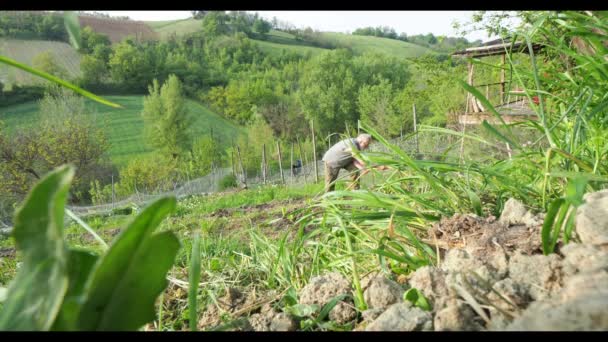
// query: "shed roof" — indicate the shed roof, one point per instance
point(496, 47)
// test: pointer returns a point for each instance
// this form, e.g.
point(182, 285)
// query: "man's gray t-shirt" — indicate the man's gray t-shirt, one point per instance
point(340, 155)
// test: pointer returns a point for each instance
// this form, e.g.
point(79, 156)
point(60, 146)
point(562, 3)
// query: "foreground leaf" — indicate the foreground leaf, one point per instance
point(35, 295)
point(131, 275)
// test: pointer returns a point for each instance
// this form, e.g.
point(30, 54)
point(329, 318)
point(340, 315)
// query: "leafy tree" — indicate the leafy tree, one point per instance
point(166, 118)
point(91, 39)
point(215, 24)
point(65, 134)
point(262, 26)
point(45, 61)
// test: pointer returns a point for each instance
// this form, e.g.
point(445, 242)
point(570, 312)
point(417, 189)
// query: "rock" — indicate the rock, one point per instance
point(431, 282)
point(459, 262)
point(582, 313)
point(539, 275)
point(592, 218)
point(371, 314)
point(342, 313)
point(585, 284)
point(580, 258)
point(260, 322)
point(324, 288)
point(498, 321)
point(456, 316)
point(402, 317)
point(382, 292)
point(513, 212)
point(283, 322)
point(513, 292)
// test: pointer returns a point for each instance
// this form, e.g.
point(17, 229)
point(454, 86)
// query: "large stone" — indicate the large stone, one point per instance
point(402, 317)
point(456, 316)
point(323, 289)
point(539, 275)
point(431, 282)
point(581, 258)
point(582, 313)
point(283, 322)
point(382, 292)
point(592, 218)
point(513, 212)
point(343, 313)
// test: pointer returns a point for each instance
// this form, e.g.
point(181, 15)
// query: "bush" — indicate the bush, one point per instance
point(229, 181)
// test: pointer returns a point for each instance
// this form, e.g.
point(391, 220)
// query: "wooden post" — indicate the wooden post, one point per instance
point(314, 151)
point(502, 80)
point(238, 152)
point(471, 98)
point(415, 130)
point(292, 164)
point(232, 161)
point(280, 162)
point(112, 190)
point(301, 158)
point(264, 163)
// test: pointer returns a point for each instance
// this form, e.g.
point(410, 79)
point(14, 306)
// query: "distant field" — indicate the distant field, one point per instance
point(178, 27)
point(361, 44)
point(24, 51)
point(125, 126)
point(117, 30)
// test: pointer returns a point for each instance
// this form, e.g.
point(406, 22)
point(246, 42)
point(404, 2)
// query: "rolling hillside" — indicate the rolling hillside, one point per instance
point(125, 126)
point(278, 40)
point(26, 50)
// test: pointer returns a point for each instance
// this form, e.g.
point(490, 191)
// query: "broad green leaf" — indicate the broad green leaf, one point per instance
point(548, 224)
point(129, 278)
point(3, 292)
point(417, 299)
point(302, 310)
point(72, 25)
point(80, 264)
point(57, 80)
point(194, 278)
point(475, 202)
point(330, 305)
point(35, 295)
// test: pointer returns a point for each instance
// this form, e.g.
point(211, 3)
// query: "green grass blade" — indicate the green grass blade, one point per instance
point(57, 80)
point(194, 278)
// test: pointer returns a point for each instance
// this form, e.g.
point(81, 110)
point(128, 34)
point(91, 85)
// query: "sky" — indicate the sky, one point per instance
point(410, 22)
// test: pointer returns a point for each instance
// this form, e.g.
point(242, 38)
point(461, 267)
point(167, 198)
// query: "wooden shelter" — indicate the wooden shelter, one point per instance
point(513, 105)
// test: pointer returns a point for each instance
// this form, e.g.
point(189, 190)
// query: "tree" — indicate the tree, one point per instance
point(262, 26)
point(65, 134)
point(90, 39)
point(329, 98)
point(375, 103)
point(198, 14)
point(166, 118)
point(94, 70)
point(45, 61)
point(214, 24)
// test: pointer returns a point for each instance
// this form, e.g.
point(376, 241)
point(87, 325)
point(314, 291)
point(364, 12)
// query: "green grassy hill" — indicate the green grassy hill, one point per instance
point(125, 126)
point(276, 41)
point(25, 51)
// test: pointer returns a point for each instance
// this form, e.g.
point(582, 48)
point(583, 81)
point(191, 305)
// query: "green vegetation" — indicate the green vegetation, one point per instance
point(125, 126)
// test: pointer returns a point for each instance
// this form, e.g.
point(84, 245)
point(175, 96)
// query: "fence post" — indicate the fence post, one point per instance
point(314, 151)
point(415, 131)
point(280, 162)
point(243, 175)
point(264, 163)
point(292, 164)
point(113, 191)
point(303, 159)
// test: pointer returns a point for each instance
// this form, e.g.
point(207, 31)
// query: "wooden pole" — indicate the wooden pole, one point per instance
point(243, 175)
point(303, 158)
point(280, 162)
point(264, 163)
point(292, 164)
point(502, 80)
point(415, 129)
point(314, 151)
